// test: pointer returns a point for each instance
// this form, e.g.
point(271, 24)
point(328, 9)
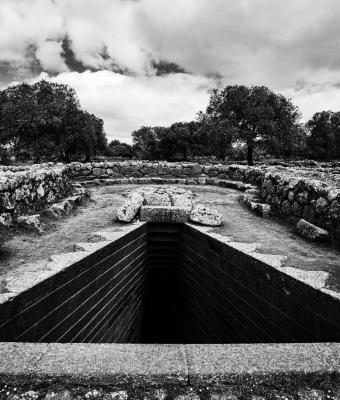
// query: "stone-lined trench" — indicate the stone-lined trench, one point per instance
point(170, 283)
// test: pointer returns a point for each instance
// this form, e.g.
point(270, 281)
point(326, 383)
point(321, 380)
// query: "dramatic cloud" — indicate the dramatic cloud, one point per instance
point(145, 56)
point(125, 102)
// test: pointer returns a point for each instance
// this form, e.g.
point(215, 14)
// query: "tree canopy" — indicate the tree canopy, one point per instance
point(45, 119)
point(324, 139)
point(117, 148)
point(256, 114)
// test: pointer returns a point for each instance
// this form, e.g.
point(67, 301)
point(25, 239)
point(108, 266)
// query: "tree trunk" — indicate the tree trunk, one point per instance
point(250, 151)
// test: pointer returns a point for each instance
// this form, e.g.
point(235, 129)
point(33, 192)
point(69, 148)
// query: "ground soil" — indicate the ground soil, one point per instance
point(19, 248)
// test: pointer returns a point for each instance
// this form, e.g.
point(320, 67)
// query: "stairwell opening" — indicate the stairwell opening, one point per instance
point(170, 283)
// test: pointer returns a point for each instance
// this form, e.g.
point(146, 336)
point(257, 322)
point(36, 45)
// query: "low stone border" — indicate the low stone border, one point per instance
point(243, 370)
point(288, 194)
point(32, 221)
point(282, 188)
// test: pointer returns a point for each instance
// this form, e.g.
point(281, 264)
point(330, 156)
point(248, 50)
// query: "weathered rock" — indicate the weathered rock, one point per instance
point(321, 206)
point(188, 396)
point(311, 394)
point(119, 395)
point(41, 190)
point(285, 207)
point(303, 198)
point(75, 200)
point(310, 231)
point(263, 209)
point(65, 395)
point(296, 209)
point(130, 208)
point(309, 212)
point(93, 394)
point(31, 222)
point(62, 208)
point(291, 196)
point(181, 200)
point(157, 199)
point(30, 395)
point(164, 214)
point(205, 216)
point(334, 210)
point(78, 189)
point(6, 220)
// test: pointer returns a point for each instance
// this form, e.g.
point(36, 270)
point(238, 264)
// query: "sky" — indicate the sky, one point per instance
point(155, 62)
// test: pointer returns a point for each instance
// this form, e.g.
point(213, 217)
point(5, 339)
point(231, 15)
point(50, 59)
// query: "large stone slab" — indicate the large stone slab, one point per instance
point(130, 208)
point(115, 364)
point(310, 231)
point(164, 214)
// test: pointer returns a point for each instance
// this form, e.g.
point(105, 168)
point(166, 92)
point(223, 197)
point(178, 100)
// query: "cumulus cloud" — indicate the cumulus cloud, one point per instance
point(291, 46)
point(49, 53)
point(125, 103)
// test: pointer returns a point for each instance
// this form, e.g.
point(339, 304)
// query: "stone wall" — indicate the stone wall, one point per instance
point(29, 190)
point(292, 197)
point(297, 198)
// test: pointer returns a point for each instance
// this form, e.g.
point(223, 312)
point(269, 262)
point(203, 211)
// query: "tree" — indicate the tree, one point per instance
point(84, 137)
point(214, 135)
point(324, 139)
point(174, 141)
point(255, 113)
point(146, 142)
point(46, 120)
point(335, 121)
point(119, 149)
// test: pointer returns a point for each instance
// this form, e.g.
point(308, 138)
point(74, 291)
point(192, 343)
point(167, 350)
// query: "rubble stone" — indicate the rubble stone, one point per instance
point(310, 231)
point(129, 210)
point(31, 222)
point(205, 216)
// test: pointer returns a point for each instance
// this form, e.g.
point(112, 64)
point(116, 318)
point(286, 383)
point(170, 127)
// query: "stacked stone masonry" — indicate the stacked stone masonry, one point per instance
point(26, 190)
point(288, 195)
point(30, 190)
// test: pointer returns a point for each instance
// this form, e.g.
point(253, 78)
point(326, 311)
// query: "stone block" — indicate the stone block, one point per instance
point(263, 209)
point(153, 198)
point(164, 214)
point(6, 220)
point(205, 216)
point(31, 222)
point(130, 208)
point(321, 206)
point(310, 231)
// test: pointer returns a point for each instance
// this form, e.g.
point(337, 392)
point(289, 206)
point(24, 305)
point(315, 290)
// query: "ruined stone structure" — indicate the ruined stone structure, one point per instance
point(27, 190)
point(166, 204)
point(241, 324)
point(291, 197)
point(80, 328)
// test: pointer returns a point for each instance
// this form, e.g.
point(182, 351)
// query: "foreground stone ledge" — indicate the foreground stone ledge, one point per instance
point(289, 192)
point(113, 364)
point(143, 365)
